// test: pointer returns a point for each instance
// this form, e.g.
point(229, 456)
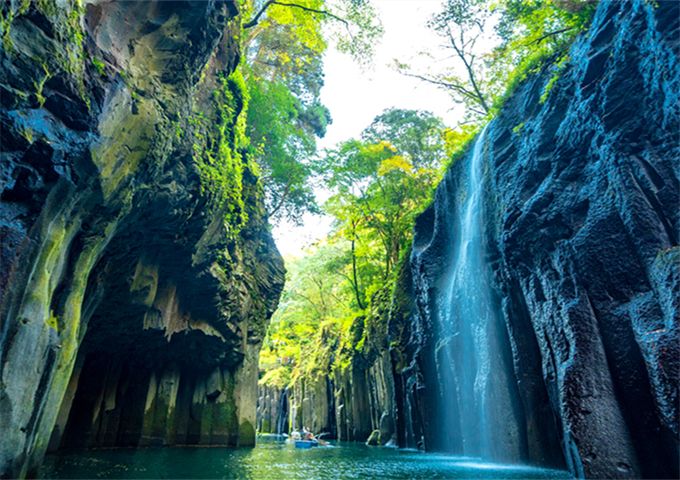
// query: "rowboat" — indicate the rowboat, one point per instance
point(306, 444)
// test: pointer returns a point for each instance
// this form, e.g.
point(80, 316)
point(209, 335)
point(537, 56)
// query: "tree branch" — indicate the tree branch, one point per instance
point(550, 34)
point(451, 86)
point(256, 19)
point(282, 199)
point(471, 73)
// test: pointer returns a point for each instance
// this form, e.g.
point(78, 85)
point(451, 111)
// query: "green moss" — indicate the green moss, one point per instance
point(40, 85)
point(124, 136)
point(246, 434)
point(560, 66)
point(6, 23)
point(48, 7)
point(66, 19)
point(177, 128)
point(518, 128)
point(52, 321)
point(266, 426)
point(219, 422)
point(220, 153)
point(70, 330)
point(5, 27)
point(99, 66)
point(27, 133)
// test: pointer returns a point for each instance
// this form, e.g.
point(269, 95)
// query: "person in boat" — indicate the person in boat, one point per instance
point(309, 436)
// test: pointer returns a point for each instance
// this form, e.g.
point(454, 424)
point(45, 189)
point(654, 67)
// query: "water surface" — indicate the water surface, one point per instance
point(272, 460)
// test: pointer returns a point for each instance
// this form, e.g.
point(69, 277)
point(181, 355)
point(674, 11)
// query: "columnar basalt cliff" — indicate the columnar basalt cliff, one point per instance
point(137, 272)
point(580, 228)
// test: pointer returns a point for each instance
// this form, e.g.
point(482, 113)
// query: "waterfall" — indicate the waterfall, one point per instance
point(475, 373)
point(282, 413)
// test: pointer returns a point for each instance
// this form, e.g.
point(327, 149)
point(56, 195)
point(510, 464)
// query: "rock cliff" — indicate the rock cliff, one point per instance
point(137, 272)
point(581, 227)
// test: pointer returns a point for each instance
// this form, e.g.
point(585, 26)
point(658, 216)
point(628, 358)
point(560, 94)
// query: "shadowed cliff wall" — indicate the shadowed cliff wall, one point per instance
point(137, 272)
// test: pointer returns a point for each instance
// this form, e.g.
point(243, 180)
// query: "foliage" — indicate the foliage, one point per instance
point(379, 183)
point(284, 55)
point(99, 66)
point(282, 133)
point(336, 300)
point(382, 181)
point(284, 43)
point(532, 32)
point(313, 311)
point(362, 30)
point(496, 44)
point(352, 24)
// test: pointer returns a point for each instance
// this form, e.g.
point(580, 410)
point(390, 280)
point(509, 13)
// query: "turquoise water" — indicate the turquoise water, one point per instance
point(271, 460)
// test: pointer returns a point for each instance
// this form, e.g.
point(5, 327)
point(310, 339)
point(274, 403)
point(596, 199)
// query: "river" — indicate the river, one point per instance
point(275, 460)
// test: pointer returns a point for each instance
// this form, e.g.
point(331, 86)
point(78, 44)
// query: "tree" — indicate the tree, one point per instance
point(285, 74)
point(282, 133)
point(531, 33)
point(462, 24)
point(380, 183)
point(311, 316)
point(416, 133)
point(284, 45)
point(359, 30)
point(497, 43)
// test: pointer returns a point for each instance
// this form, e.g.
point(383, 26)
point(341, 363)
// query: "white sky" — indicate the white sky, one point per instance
point(355, 96)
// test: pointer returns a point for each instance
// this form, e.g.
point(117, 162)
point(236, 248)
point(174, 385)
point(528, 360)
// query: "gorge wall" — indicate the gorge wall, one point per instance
point(137, 272)
point(581, 227)
point(580, 231)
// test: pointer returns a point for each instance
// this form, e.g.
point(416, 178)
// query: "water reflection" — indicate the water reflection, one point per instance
point(275, 460)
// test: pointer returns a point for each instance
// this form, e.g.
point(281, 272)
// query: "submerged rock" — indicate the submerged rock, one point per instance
point(137, 268)
point(373, 439)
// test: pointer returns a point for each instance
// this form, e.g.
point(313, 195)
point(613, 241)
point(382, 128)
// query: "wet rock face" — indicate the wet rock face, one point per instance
point(134, 293)
point(581, 227)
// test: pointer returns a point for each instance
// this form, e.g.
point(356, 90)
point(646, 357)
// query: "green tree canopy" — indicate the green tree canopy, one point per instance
point(285, 42)
point(379, 183)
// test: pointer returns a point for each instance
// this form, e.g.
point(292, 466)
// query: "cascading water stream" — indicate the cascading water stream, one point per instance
point(473, 369)
point(282, 417)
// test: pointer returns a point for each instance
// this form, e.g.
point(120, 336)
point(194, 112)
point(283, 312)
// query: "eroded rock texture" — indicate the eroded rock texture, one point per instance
point(137, 271)
point(581, 226)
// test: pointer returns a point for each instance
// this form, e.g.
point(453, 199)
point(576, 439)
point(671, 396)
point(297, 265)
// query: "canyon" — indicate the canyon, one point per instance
point(535, 319)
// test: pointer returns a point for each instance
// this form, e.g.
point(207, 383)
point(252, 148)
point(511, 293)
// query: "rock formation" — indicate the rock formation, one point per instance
point(137, 272)
point(581, 230)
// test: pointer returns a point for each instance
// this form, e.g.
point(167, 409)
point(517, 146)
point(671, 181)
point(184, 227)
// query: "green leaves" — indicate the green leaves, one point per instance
point(360, 32)
point(283, 143)
point(379, 183)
